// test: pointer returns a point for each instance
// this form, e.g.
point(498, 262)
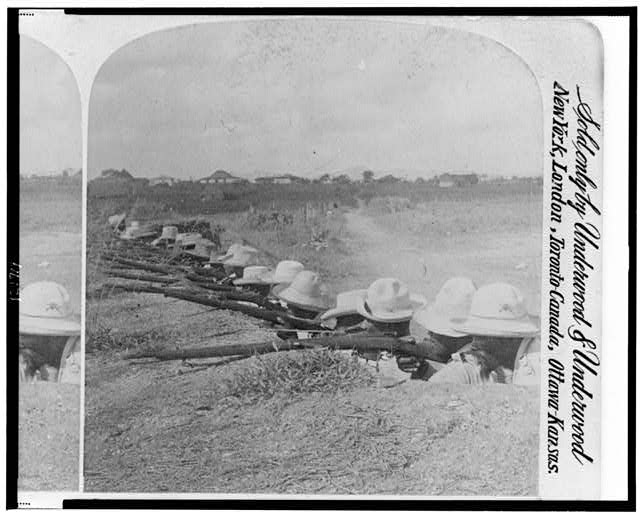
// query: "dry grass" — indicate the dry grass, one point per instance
point(103, 338)
point(48, 435)
point(289, 374)
point(447, 218)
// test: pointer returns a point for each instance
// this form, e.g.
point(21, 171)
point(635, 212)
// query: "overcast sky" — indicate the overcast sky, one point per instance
point(50, 130)
point(312, 96)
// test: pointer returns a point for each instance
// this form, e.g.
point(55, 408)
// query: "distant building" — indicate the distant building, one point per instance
point(163, 180)
point(279, 179)
point(221, 177)
point(121, 174)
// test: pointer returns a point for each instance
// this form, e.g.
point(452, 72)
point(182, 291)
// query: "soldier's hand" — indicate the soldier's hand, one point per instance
point(407, 363)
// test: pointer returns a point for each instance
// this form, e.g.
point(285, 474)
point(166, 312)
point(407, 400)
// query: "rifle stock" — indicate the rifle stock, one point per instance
point(364, 343)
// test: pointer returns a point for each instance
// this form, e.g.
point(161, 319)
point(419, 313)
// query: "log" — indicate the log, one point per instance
point(156, 268)
point(253, 311)
point(363, 343)
point(135, 287)
point(226, 292)
point(129, 275)
point(192, 296)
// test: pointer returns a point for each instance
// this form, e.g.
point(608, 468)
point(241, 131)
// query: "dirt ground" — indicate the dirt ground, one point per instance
point(175, 426)
point(49, 413)
point(48, 437)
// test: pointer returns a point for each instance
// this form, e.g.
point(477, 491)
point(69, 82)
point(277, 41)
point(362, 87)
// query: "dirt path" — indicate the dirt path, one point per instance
point(379, 253)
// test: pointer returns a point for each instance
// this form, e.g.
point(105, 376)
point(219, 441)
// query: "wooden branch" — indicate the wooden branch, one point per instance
point(129, 275)
point(253, 311)
point(156, 268)
point(135, 287)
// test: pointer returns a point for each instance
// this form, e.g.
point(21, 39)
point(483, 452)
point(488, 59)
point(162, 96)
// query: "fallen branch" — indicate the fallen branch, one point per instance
point(253, 311)
point(156, 268)
point(129, 275)
point(135, 287)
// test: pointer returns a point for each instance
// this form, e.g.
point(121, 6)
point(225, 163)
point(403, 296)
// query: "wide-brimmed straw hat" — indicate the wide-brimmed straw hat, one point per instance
point(497, 310)
point(285, 272)
point(202, 249)
point(346, 304)
point(305, 291)
point(452, 302)
point(188, 238)
point(116, 220)
point(389, 300)
point(137, 231)
point(242, 257)
point(230, 252)
point(253, 275)
point(169, 233)
point(45, 309)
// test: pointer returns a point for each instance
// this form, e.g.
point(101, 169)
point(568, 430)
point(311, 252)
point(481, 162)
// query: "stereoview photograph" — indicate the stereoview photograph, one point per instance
point(314, 262)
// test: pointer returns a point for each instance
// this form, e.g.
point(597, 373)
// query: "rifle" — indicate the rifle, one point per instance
point(361, 343)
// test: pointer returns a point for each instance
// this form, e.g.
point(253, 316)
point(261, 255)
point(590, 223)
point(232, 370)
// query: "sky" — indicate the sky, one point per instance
point(313, 96)
point(50, 122)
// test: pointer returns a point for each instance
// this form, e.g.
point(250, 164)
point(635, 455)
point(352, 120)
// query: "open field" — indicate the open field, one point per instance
point(243, 426)
point(47, 205)
point(49, 413)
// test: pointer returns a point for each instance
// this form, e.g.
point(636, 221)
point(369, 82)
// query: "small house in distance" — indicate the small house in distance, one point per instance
point(278, 179)
point(221, 177)
point(162, 180)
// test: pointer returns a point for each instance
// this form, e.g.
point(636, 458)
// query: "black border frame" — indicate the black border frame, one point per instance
point(13, 187)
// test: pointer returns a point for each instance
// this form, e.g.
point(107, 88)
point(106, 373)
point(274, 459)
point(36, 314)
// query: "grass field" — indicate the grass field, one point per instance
point(49, 414)
point(257, 425)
